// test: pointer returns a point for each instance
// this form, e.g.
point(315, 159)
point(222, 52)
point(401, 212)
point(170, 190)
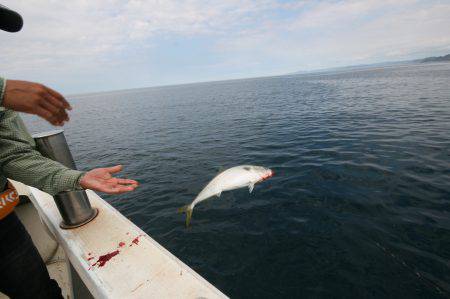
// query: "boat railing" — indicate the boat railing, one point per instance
point(110, 257)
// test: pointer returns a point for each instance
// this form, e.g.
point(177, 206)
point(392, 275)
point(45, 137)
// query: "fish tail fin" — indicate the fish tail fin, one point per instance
point(188, 210)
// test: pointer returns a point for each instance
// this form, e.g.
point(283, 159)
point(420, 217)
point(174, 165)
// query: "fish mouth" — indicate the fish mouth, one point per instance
point(268, 175)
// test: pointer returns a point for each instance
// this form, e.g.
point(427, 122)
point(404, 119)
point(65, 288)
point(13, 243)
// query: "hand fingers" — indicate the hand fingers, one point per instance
point(59, 97)
point(127, 182)
point(116, 189)
point(106, 189)
point(47, 115)
point(122, 185)
point(47, 106)
point(122, 189)
point(62, 116)
point(55, 121)
point(59, 114)
point(114, 169)
point(54, 101)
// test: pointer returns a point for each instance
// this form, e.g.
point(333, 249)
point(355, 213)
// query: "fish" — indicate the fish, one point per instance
point(230, 179)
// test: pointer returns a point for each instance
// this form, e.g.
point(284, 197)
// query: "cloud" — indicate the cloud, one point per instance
point(73, 43)
point(349, 32)
point(83, 32)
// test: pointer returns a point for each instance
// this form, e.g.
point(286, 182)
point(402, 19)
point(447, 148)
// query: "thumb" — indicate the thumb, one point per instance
point(114, 169)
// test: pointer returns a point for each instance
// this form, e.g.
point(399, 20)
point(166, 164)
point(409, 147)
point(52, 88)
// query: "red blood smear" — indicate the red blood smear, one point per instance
point(136, 240)
point(102, 260)
point(267, 176)
point(91, 258)
point(121, 244)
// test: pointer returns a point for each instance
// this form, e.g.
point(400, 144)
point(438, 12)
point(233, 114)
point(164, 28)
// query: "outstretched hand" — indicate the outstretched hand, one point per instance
point(36, 99)
point(101, 179)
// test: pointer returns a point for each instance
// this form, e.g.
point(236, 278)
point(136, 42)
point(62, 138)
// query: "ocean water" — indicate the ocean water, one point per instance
point(359, 206)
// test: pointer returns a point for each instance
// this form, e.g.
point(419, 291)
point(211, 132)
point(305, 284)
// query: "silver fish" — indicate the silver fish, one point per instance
point(230, 179)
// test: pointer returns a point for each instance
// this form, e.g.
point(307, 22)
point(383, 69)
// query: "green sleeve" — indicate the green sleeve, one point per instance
point(20, 161)
point(2, 89)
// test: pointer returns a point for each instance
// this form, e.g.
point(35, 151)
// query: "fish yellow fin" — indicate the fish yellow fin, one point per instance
point(188, 210)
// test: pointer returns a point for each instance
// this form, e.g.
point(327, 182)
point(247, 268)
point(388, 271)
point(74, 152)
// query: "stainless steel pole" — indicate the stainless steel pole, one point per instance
point(74, 206)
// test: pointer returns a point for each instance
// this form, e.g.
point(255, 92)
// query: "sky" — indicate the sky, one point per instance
point(81, 46)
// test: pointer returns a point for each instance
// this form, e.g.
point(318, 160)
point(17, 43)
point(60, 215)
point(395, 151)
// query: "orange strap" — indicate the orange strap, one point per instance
point(8, 200)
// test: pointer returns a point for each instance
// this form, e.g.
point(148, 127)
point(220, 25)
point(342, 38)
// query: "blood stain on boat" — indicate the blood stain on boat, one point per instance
point(102, 260)
point(121, 244)
point(135, 240)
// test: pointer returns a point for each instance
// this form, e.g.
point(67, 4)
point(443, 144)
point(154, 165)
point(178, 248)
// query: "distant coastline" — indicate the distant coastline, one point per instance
point(445, 58)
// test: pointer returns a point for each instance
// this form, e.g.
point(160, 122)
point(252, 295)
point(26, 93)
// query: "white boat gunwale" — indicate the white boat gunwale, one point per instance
point(143, 269)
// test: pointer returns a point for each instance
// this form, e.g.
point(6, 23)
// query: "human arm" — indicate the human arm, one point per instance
point(19, 160)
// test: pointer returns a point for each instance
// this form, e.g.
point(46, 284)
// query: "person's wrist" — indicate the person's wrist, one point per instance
point(78, 182)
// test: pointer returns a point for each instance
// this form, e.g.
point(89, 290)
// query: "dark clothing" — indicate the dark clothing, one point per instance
point(22, 272)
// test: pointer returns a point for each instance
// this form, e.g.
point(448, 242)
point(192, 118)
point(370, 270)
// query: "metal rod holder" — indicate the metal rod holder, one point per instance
point(74, 206)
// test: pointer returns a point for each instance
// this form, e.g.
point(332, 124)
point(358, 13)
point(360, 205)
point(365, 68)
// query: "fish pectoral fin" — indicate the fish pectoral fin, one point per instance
point(219, 193)
point(250, 187)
